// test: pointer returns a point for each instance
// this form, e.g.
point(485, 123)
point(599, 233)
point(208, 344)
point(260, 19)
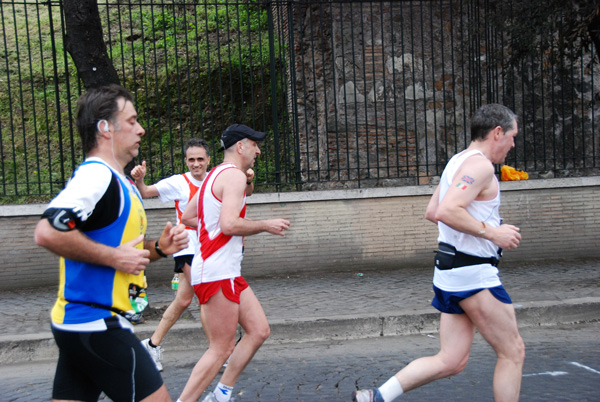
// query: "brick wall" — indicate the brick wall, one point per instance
point(351, 230)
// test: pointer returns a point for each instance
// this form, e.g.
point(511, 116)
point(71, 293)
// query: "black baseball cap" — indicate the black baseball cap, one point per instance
point(237, 132)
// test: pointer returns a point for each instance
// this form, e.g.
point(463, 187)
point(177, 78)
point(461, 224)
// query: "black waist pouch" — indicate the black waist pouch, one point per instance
point(444, 258)
point(447, 257)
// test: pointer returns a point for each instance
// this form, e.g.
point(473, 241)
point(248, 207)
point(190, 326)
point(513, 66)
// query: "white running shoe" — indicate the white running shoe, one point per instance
point(155, 353)
point(367, 395)
point(210, 397)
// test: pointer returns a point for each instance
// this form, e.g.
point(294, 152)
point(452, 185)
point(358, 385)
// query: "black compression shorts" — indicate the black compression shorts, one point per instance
point(113, 361)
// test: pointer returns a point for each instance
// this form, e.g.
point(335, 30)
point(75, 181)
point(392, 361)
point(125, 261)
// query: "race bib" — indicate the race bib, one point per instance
point(139, 301)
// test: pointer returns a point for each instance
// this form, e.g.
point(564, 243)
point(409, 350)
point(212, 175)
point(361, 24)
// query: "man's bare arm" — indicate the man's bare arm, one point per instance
point(474, 181)
point(432, 206)
point(249, 182)
point(231, 184)
point(170, 241)
point(76, 246)
point(190, 215)
point(138, 173)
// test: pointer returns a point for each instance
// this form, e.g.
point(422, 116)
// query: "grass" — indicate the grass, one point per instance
point(192, 68)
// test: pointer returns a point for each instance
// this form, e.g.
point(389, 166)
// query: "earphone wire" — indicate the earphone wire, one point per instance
point(112, 143)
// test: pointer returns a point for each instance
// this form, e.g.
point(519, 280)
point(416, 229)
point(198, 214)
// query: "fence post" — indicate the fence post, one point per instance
point(57, 96)
point(274, 96)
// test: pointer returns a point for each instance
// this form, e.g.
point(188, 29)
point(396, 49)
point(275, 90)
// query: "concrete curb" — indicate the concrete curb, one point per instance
point(41, 346)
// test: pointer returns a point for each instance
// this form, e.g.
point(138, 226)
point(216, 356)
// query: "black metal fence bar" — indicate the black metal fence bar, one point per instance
point(352, 93)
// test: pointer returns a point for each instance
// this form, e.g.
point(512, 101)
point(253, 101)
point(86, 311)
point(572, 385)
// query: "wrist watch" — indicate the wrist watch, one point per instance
point(159, 251)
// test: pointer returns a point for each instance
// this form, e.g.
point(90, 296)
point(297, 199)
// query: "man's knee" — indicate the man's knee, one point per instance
point(260, 333)
point(454, 366)
point(512, 349)
point(223, 349)
point(264, 332)
point(228, 350)
point(180, 304)
point(184, 297)
point(518, 350)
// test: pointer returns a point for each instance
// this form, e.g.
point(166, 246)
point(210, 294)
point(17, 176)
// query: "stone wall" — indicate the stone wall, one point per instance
point(347, 230)
point(384, 91)
point(369, 101)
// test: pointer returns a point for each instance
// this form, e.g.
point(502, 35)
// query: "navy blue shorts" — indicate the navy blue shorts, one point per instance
point(181, 260)
point(447, 302)
point(113, 361)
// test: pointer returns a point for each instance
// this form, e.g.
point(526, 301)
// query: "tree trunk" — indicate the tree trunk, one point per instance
point(84, 42)
point(594, 30)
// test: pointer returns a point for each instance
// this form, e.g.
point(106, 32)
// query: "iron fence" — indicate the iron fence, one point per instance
point(352, 93)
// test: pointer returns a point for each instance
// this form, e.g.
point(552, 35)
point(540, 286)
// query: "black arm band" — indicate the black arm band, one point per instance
point(159, 251)
point(62, 219)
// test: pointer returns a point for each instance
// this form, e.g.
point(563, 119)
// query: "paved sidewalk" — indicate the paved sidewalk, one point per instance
point(329, 306)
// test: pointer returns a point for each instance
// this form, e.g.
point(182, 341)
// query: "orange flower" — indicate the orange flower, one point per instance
point(508, 173)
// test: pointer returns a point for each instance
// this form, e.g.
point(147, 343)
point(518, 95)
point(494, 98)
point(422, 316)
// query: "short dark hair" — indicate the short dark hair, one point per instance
point(490, 116)
point(196, 142)
point(95, 105)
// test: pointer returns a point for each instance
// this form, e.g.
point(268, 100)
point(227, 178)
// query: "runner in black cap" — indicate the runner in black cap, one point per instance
point(219, 211)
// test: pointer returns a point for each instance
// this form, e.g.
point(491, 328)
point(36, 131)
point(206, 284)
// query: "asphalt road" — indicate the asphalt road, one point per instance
point(562, 364)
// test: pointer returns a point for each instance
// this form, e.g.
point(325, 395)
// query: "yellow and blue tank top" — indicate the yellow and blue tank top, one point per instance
point(89, 292)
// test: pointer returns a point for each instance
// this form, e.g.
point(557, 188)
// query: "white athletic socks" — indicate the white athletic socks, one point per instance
point(391, 389)
point(223, 392)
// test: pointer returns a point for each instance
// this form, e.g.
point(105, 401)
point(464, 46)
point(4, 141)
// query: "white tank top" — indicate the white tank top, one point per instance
point(473, 276)
point(219, 256)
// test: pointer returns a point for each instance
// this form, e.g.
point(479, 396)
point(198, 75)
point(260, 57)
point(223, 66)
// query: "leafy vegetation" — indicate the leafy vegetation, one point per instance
point(194, 69)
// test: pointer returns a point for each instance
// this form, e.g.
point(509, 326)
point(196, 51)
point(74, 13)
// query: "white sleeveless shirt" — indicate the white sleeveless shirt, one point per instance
point(472, 276)
point(219, 256)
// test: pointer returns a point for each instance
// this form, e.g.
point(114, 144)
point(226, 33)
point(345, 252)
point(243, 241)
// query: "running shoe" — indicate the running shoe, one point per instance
point(212, 398)
point(155, 353)
point(367, 395)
